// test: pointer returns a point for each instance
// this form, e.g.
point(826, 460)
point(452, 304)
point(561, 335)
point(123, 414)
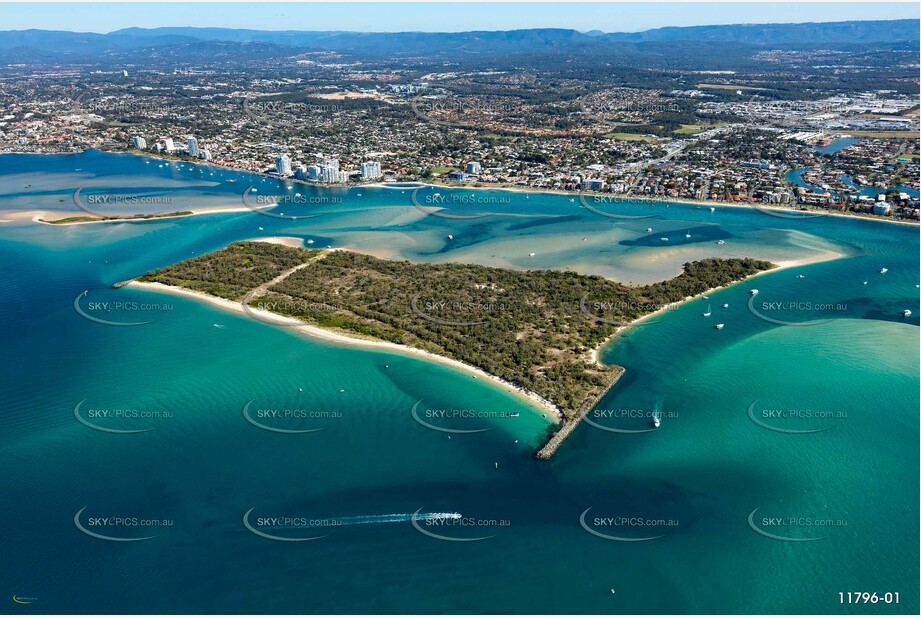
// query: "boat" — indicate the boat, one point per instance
point(310, 241)
point(656, 419)
point(719, 326)
point(906, 313)
point(721, 242)
point(664, 239)
point(450, 236)
point(753, 292)
point(532, 254)
point(800, 276)
point(512, 414)
point(725, 305)
point(883, 271)
point(865, 281)
point(231, 180)
point(260, 228)
point(648, 229)
point(712, 209)
point(688, 235)
point(707, 314)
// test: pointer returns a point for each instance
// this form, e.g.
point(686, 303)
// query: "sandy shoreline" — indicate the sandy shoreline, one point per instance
point(813, 213)
point(550, 410)
point(828, 256)
point(37, 216)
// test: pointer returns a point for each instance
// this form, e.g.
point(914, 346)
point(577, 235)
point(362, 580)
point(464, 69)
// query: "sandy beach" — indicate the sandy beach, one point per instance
point(550, 410)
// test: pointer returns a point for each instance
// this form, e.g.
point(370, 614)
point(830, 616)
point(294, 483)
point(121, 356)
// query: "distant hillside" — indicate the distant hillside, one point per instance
point(843, 32)
point(475, 43)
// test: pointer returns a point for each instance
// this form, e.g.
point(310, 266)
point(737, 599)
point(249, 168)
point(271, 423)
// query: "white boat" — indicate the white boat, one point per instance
point(310, 242)
point(719, 326)
point(725, 305)
point(865, 282)
point(648, 229)
point(721, 242)
point(707, 314)
point(906, 313)
point(532, 254)
point(800, 276)
point(656, 420)
point(883, 271)
point(688, 235)
point(712, 209)
point(450, 236)
point(664, 239)
point(753, 292)
point(260, 229)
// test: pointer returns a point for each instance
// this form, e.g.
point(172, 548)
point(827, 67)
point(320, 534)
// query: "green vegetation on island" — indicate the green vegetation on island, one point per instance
point(533, 328)
point(138, 217)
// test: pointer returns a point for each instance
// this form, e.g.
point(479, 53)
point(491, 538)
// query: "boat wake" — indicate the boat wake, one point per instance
point(393, 518)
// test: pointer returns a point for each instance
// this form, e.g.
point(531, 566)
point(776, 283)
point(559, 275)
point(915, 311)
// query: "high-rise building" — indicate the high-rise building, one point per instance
point(301, 172)
point(206, 154)
point(371, 170)
point(473, 167)
point(313, 173)
point(193, 147)
point(329, 171)
point(283, 165)
point(168, 144)
point(140, 143)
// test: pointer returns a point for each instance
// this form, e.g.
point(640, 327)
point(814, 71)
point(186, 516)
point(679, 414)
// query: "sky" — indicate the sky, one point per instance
point(434, 16)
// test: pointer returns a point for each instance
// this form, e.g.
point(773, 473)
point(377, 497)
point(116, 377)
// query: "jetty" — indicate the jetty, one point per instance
point(569, 425)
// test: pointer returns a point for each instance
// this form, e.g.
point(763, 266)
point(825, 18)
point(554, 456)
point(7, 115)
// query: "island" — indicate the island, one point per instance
point(116, 219)
point(538, 331)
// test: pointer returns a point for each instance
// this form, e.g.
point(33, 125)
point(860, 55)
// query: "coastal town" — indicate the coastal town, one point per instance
point(853, 153)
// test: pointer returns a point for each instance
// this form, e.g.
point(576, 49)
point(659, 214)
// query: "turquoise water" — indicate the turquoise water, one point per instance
point(370, 466)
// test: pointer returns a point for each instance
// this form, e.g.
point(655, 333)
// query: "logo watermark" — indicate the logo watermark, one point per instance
point(454, 522)
point(118, 523)
point(653, 418)
point(455, 307)
point(780, 206)
point(623, 524)
point(760, 417)
point(761, 525)
point(260, 204)
point(788, 306)
point(435, 203)
point(91, 202)
point(596, 203)
point(256, 416)
point(263, 310)
point(263, 110)
point(118, 414)
point(420, 413)
point(597, 308)
point(115, 308)
point(258, 526)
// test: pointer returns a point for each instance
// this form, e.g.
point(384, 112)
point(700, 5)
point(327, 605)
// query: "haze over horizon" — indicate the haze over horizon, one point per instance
point(438, 17)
